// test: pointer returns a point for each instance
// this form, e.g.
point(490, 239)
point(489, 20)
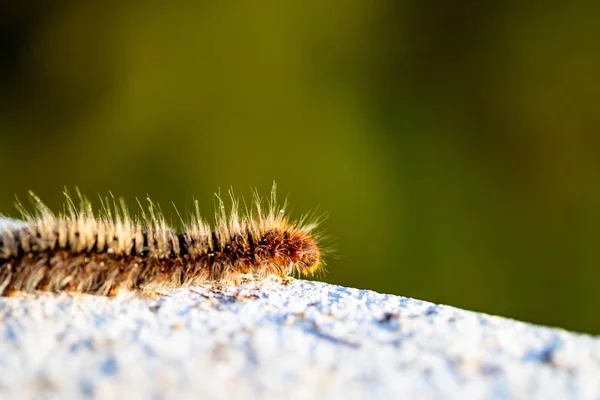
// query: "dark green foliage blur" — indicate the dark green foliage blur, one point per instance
point(456, 147)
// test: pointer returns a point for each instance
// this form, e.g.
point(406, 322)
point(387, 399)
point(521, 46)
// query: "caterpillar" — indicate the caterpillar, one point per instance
point(104, 252)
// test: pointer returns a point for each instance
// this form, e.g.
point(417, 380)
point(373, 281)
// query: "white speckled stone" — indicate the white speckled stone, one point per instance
point(6, 223)
point(305, 340)
point(266, 340)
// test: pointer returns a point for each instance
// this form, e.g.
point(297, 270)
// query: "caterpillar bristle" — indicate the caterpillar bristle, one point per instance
point(113, 249)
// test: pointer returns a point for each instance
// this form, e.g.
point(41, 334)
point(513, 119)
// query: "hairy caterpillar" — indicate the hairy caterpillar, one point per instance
point(110, 250)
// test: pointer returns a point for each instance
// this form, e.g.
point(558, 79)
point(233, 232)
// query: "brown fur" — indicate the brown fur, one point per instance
point(102, 254)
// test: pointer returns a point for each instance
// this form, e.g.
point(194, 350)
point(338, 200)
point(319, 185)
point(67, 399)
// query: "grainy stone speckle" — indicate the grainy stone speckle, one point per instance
point(6, 223)
point(266, 340)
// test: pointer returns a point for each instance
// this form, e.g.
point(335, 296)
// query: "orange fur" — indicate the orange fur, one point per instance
point(102, 253)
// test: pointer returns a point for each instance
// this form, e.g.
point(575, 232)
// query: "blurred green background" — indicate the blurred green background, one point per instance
point(454, 145)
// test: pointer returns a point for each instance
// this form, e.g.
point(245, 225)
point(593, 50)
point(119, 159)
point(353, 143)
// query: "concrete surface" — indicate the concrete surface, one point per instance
point(265, 340)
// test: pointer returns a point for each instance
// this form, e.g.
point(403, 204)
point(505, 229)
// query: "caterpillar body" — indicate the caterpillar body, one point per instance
point(104, 252)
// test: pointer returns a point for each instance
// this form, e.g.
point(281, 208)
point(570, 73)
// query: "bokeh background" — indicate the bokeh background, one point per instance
point(455, 145)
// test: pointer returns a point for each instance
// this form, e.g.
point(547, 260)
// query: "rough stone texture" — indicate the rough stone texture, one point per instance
point(266, 340)
point(6, 223)
point(304, 340)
